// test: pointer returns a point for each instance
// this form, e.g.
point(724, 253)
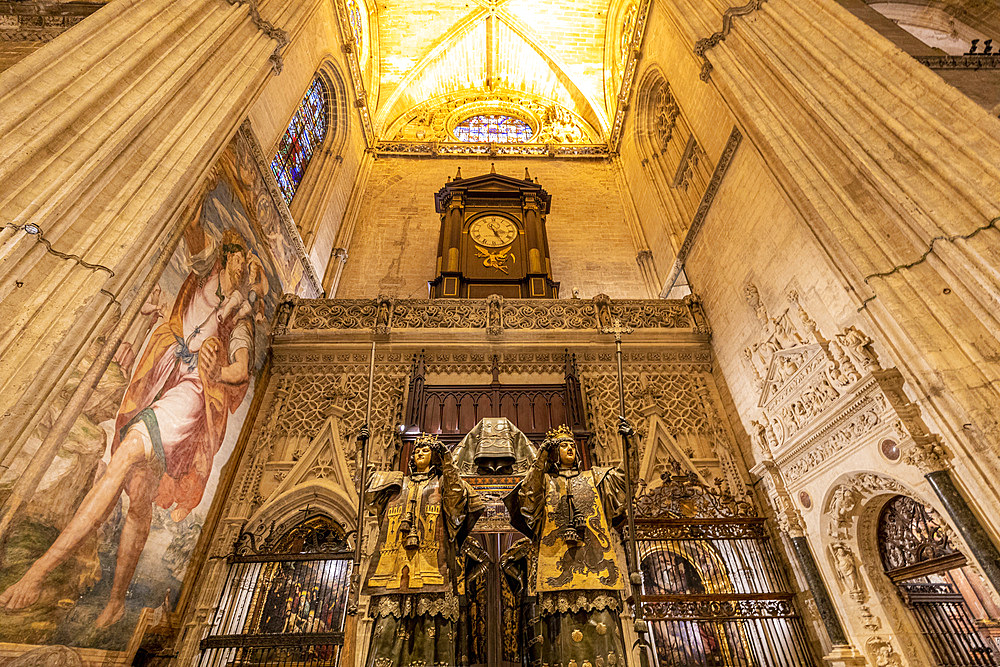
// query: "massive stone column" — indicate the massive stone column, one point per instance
point(897, 175)
point(104, 134)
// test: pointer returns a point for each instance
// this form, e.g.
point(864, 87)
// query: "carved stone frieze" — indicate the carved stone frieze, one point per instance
point(434, 148)
point(29, 21)
point(494, 314)
point(868, 414)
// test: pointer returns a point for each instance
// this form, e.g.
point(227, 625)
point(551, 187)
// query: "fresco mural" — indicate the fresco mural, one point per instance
point(114, 522)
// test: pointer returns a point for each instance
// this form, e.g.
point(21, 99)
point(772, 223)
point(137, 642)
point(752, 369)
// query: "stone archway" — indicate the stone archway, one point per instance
point(873, 608)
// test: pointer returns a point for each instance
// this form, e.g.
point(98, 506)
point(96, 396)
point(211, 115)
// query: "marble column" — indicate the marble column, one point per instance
point(820, 593)
point(982, 547)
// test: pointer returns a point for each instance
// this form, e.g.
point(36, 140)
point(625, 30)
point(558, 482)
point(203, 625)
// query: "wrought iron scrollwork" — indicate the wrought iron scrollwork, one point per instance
point(715, 607)
point(909, 534)
point(317, 535)
point(684, 495)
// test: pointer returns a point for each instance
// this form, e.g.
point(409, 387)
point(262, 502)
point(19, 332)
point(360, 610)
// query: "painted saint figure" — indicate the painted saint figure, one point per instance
point(193, 373)
point(424, 517)
point(574, 569)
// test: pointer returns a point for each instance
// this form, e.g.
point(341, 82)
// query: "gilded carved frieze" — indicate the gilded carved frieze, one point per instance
point(28, 21)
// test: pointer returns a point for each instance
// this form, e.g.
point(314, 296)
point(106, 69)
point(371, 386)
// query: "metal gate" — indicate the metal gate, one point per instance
point(283, 603)
point(947, 624)
point(714, 592)
point(919, 557)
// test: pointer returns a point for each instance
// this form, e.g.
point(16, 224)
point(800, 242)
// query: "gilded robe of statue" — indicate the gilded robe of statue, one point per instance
point(574, 571)
point(413, 578)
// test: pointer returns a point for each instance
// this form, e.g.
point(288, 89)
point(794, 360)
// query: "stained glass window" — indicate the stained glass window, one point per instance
point(497, 129)
point(354, 12)
point(306, 131)
point(628, 27)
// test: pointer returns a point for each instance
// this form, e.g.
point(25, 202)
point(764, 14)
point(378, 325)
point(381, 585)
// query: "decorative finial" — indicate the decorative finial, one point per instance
point(560, 433)
point(617, 328)
point(527, 176)
point(493, 167)
point(458, 176)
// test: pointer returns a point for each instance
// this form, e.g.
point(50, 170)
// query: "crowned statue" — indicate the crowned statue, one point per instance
point(574, 571)
point(415, 571)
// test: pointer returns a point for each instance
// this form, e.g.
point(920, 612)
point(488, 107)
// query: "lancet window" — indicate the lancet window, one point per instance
point(304, 135)
point(354, 14)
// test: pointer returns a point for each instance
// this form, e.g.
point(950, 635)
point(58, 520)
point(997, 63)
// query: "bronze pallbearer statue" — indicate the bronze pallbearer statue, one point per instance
point(574, 570)
point(413, 577)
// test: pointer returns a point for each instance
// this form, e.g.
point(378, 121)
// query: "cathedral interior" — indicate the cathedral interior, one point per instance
point(259, 256)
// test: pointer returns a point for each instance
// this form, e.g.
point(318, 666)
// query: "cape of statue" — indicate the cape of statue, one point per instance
point(414, 575)
point(573, 569)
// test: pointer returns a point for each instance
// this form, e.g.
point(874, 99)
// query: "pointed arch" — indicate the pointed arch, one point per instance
point(321, 478)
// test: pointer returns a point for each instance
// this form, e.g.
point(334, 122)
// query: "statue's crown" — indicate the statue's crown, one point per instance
point(425, 439)
point(560, 433)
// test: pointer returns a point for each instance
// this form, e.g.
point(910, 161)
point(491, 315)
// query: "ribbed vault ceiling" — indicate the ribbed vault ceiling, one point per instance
point(548, 49)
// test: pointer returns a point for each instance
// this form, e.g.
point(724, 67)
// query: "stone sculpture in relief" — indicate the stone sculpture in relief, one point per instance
point(413, 578)
point(573, 569)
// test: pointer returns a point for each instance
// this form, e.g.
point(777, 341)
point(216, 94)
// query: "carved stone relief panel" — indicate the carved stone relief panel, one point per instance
point(824, 399)
point(682, 401)
point(876, 615)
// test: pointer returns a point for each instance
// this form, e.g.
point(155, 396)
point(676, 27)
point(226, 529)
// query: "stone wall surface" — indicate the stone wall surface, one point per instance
point(394, 245)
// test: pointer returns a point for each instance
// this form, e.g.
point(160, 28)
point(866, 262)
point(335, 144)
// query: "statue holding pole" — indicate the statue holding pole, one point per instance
point(569, 515)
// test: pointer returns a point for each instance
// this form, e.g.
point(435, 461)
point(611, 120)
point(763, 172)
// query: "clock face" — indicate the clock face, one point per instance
point(493, 231)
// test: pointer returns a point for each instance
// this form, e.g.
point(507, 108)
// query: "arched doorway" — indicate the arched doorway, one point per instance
point(284, 600)
point(954, 612)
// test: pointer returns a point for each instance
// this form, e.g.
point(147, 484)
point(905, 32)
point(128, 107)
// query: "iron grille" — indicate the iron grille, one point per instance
point(714, 593)
point(947, 624)
point(283, 608)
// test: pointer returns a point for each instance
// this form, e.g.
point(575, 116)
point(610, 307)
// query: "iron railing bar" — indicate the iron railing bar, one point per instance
point(273, 640)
